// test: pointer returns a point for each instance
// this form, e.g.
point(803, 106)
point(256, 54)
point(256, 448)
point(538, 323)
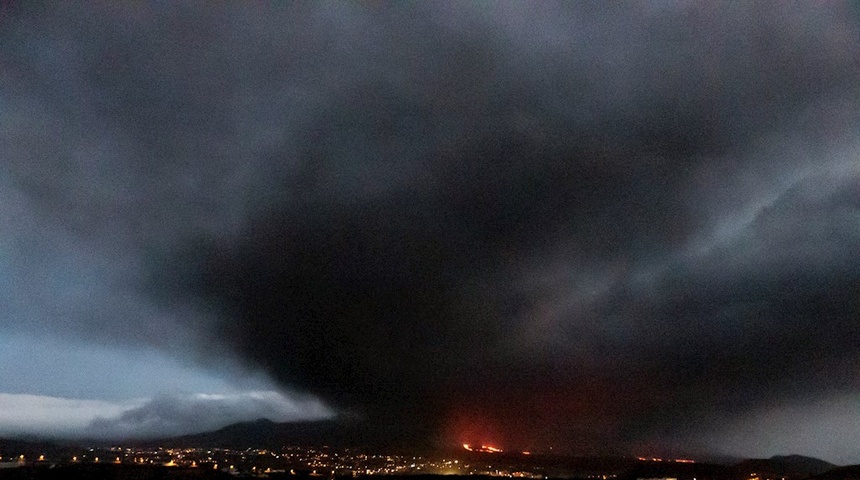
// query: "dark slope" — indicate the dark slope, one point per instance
point(111, 472)
point(848, 472)
point(790, 466)
point(681, 471)
point(31, 449)
point(264, 433)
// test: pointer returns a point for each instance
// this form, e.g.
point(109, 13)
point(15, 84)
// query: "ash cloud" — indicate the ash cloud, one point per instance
point(457, 220)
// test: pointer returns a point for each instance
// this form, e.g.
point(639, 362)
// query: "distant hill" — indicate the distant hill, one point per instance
point(31, 449)
point(265, 433)
point(790, 466)
point(850, 472)
point(681, 471)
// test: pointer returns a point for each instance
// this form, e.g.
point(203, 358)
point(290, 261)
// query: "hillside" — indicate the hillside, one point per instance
point(789, 466)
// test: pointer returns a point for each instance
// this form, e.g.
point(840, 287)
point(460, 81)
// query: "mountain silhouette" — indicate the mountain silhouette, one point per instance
point(789, 466)
point(264, 433)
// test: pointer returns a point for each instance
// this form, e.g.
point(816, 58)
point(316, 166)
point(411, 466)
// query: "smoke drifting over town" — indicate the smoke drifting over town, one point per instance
point(599, 227)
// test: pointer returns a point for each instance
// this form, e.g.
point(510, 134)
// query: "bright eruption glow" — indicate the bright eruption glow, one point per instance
point(482, 448)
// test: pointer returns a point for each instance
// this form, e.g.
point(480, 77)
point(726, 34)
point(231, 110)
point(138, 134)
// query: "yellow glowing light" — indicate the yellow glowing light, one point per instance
point(41, 458)
point(527, 453)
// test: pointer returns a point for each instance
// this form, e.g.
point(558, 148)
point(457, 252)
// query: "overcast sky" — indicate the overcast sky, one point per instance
point(628, 228)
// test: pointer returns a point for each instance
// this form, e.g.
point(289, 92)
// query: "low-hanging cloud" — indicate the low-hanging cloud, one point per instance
point(141, 418)
point(168, 415)
point(24, 414)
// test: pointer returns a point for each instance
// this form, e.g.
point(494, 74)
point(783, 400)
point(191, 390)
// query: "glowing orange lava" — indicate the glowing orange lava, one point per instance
point(482, 448)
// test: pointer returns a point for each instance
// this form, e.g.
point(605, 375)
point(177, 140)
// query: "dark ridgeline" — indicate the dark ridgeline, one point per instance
point(111, 472)
point(850, 472)
point(32, 449)
point(267, 434)
point(788, 466)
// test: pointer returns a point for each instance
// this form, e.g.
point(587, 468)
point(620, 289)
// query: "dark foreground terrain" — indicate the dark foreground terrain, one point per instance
point(136, 472)
point(195, 457)
point(110, 472)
